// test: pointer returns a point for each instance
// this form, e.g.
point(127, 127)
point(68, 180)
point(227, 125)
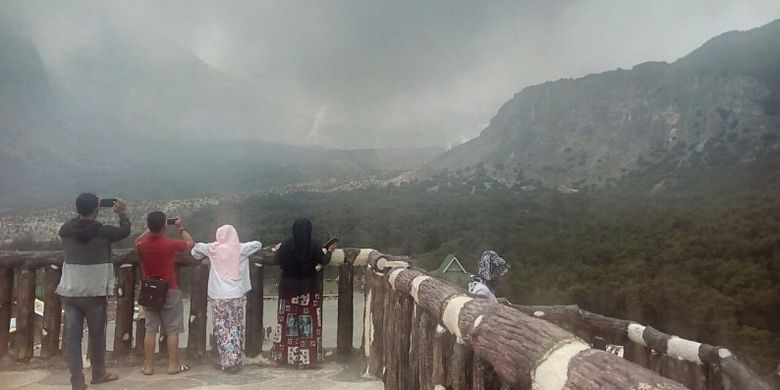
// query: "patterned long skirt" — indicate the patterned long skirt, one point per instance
point(229, 330)
point(298, 331)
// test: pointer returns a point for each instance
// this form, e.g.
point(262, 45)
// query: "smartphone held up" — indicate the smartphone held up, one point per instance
point(107, 202)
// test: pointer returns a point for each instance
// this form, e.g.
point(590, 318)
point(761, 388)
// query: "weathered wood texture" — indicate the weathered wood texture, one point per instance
point(125, 306)
point(52, 313)
point(162, 340)
point(404, 333)
point(483, 377)
point(33, 259)
point(514, 344)
point(140, 336)
point(427, 330)
point(461, 367)
point(442, 348)
point(375, 334)
point(345, 310)
point(415, 347)
point(6, 299)
point(25, 314)
point(255, 332)
point(728, 368)
point(586, 371)
point(196, 341)
point(389, 356)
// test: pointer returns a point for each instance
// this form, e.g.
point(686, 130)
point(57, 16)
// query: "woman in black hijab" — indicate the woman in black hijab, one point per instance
point(298, 333)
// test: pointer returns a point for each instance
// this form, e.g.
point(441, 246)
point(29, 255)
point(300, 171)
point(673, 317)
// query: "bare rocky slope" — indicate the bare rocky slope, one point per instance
point(718, 105)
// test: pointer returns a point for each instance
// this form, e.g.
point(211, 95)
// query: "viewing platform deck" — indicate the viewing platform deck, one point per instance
point(331, 375)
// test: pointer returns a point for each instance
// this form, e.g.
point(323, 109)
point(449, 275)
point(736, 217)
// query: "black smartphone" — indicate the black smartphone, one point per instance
point(330, 242)
point(171, 221)
point(107, 202)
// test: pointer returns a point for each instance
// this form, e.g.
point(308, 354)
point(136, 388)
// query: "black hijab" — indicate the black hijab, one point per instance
point(300, 253)
point(301, 231)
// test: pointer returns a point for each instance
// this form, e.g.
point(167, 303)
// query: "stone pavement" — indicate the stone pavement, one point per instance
point(331, 375)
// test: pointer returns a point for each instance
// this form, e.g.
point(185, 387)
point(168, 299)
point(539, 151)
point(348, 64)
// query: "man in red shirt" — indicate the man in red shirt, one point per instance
point(158, 258)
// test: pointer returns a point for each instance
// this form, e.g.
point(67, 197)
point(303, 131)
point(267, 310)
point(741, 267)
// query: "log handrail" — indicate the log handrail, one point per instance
point(25, 264)
point(35, 259)
point(736, 372)
point(524, 351)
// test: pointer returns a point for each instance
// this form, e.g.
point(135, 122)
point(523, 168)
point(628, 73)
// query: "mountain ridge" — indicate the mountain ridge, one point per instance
point(594, 130)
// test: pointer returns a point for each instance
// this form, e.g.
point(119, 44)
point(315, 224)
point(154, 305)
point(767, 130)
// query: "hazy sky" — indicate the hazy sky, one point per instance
point(402, 73)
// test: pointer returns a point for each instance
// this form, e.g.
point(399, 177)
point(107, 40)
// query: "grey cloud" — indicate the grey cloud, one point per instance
point(397, 73)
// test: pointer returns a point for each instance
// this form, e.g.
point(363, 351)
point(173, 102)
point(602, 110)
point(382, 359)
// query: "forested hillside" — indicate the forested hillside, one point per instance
point(705, 268)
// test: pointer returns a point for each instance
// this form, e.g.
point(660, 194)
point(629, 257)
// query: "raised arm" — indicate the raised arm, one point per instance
point(114, 233)
point(250, 247)
point(185, 235)
point(199, 251)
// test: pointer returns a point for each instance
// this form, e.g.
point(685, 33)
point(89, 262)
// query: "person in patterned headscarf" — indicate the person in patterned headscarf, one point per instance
point(490, 269)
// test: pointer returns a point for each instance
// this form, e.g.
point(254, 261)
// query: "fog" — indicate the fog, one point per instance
point(353, 74)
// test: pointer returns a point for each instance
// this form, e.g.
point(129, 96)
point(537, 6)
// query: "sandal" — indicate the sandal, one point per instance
point(109, 377)
point(182, 368)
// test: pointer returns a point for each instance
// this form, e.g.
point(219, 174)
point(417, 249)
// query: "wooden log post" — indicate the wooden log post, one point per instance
point(25, 315)
point(389, 337)
point(525, 352)
point(162, 343)
point(427, 330)
point(413, 378)
point(345, 310)
point(375, 310)
point(196, 341)
point(442, 350)
point(483, 377)
point(461, 367)
point(125, 307)
point(140, 336)
point(6, 299)
point(52, 313)
point(255, 332)
point(599, 343)
point(404, 334)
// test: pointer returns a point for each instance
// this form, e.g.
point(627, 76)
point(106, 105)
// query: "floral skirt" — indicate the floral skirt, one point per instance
point(229, 330)
point(298, 331)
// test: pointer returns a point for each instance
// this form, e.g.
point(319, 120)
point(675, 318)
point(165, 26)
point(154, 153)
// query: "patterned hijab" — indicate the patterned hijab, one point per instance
point(491, 266)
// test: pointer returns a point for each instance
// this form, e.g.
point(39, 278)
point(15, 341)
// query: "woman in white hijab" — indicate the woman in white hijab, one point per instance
point(228, 283)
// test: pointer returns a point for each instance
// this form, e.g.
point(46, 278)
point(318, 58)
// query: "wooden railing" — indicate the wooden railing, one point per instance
point(25, 265)
point(419, 332)
point(697, 365)
point(424, 333)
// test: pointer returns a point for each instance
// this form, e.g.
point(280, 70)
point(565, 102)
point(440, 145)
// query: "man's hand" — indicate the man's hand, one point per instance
point(332, 247)
point(120, 206)
point(179, 223)
point(276, 247)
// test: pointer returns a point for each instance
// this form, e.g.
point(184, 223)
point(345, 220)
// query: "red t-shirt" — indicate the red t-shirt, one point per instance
point(158, 257)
